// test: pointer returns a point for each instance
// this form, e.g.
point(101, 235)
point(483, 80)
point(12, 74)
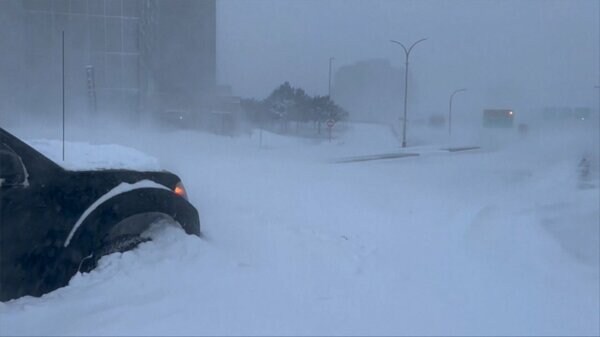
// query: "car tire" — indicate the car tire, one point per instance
point(122, 237)
point(118, 245)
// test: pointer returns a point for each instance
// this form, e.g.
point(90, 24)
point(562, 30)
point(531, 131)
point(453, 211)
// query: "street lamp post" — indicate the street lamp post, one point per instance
point(407, 53)
point(328, 94)
point(450, 110)
point(329, 88)
point(598, 87)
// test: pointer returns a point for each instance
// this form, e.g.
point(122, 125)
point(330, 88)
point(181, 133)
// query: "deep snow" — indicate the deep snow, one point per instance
point(499, 241)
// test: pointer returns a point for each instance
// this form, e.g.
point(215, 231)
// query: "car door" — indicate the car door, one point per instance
point(15, 213)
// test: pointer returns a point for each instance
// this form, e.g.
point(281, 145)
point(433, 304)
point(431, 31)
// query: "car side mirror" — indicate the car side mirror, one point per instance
point(12, 172)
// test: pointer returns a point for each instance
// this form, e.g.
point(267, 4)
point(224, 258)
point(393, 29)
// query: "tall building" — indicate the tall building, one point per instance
point(178, 52)
point(122, 57)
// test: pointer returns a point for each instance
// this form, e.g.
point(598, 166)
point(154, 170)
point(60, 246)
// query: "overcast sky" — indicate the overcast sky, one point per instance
point(536, 52)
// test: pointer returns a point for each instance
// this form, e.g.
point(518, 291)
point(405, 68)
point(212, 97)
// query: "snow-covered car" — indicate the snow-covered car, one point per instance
point(55, 222)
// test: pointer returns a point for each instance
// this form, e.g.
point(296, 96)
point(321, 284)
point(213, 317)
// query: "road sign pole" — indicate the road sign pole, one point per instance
point(330, 124)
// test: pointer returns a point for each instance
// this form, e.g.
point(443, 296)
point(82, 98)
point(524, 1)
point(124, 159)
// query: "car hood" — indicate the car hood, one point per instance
point(107, 179)
point(80, 156)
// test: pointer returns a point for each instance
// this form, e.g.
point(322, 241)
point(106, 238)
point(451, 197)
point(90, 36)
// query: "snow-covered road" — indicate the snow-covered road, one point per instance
point(485, 243)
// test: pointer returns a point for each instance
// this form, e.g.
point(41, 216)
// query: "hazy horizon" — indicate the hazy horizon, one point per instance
point(524, 54)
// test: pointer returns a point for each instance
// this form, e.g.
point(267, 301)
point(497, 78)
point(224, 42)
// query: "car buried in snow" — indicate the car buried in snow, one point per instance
point(56, 222)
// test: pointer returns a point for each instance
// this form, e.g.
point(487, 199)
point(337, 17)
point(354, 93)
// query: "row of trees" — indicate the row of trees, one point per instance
point(287, 103)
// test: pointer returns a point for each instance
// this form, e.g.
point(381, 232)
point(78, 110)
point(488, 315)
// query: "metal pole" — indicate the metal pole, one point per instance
point(329, 88)
point(405, 101)
point(598, 87)
point(450, 110)
point(407, 54)
point(63, 95)
point(450, 115)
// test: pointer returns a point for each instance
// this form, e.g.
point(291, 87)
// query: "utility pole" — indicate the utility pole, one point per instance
point(450, 110)
point(407, 54)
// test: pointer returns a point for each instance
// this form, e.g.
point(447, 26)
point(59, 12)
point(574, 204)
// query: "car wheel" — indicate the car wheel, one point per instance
point(117, 245)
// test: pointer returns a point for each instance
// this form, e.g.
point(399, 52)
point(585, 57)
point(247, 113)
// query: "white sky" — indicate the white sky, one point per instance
point(537, 52)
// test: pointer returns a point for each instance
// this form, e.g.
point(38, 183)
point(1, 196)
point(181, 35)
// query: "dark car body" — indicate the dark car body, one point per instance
point(51, 218)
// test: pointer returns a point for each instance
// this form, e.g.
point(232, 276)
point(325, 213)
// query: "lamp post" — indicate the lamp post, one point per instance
point(598, 87)
point(329, 88)
point(328, 94)
point(450, 110)
point(407, 53)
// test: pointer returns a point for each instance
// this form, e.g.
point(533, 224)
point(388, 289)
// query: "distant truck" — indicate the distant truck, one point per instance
point(498, 118)
point(566, 114)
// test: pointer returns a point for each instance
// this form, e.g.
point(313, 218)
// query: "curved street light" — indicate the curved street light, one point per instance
point(450, 109)
point(407, 53)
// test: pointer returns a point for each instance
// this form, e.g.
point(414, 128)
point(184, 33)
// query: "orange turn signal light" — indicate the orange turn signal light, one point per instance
point(180, 191)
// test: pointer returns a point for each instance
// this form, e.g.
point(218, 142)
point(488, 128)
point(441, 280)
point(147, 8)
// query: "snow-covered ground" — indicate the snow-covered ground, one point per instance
point(501, 241)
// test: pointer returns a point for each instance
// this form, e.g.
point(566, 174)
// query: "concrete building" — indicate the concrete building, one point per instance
point(122, 57)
